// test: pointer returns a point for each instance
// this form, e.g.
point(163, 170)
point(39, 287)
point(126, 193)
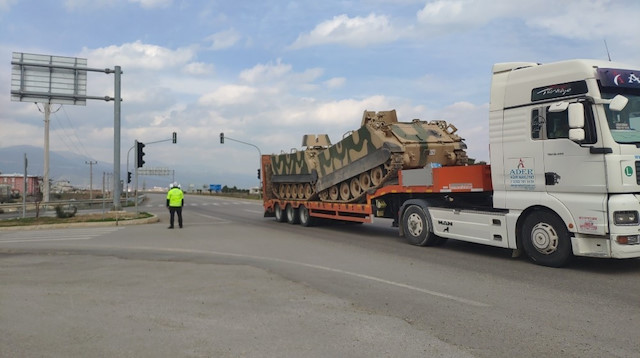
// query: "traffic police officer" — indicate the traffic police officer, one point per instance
point(175, 201)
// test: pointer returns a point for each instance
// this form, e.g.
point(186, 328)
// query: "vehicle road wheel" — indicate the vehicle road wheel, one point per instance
point(356, 189)
point(376, 176)
point(417, 227)
point(334, 193)
point(546, 240)
point(345, 192)
point(292, 214)
point(365, 181)
point(305, 218)
point(308, 191)
point(279, 214)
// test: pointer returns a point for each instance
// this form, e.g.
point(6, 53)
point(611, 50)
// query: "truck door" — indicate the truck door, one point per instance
point(573, 174)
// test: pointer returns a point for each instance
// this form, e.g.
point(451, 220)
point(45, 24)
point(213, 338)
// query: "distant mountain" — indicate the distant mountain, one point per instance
point(62, 165)
point(68, 166)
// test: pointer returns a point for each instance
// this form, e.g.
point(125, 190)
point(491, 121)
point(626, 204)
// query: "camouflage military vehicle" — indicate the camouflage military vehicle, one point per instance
point(367, 158)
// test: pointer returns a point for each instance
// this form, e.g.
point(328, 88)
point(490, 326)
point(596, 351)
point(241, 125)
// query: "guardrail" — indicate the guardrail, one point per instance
point(78, 204)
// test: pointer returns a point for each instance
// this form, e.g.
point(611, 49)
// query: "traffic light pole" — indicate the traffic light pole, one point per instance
point(223, 137)
point(126, 194)
point(140, 162)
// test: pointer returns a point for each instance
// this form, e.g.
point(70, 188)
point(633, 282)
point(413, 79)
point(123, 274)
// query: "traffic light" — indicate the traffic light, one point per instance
point(221, 137)
point(175, 137)
point(258, 173)
point(140, 154)
point(128, 177)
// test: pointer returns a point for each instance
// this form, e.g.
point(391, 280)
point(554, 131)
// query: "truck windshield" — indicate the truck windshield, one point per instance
point(624, 125)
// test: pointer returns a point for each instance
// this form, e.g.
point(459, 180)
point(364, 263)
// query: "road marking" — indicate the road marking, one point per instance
point(462, 300)
point(218, 220)
point(56, 235)
point(254, 211)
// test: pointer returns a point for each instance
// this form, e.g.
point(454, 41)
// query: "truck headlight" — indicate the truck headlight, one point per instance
point(628, 217)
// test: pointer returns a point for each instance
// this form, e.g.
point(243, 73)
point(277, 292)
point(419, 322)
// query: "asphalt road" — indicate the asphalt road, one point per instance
point(235, 284)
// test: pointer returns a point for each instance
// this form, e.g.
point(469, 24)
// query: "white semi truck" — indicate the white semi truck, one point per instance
point(563, 179)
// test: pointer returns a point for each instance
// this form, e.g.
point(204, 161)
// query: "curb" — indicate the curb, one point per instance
point(149, 220)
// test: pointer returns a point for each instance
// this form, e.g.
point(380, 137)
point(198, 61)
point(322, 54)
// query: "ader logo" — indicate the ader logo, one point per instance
point(522, 174)
point(521, 170)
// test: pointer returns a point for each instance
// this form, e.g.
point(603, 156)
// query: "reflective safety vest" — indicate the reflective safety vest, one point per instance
point(175, 197)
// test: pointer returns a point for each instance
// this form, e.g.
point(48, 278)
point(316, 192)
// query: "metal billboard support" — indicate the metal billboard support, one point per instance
point(63, 80)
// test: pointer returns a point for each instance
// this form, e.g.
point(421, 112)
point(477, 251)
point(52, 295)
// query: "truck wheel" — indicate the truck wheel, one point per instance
point(305, 218)
point(279, 214)
point(417, 227)
point(546, 240)
point(292, 214)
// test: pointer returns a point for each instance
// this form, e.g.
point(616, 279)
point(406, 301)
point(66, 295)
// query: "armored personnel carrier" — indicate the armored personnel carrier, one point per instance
point(366, 158)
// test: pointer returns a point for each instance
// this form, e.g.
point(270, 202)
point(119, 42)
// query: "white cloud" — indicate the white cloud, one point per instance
point(198, 68)
point(228, 95)
point(139, 55)
point(335, 82)
point(224, 39)
point(471, 122)
point(265, 72)
point(440, 11)
point(594, 19)
point(150, 4)
point(572, 19)
point(348, 111)
point(351, 31)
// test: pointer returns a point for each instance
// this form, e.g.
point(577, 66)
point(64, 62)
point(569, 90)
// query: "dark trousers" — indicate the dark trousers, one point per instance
point(173, 210)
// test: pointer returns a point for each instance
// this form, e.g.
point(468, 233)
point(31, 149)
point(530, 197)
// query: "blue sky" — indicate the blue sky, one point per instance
point(268, 72)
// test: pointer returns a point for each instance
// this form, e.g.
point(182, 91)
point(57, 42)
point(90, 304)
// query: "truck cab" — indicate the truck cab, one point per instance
point(565, 145)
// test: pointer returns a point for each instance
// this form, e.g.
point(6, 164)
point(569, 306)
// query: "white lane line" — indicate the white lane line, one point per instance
point(462, 300)
point(56, 235)
point(254, 211)
point(218, 220)
point(47, 240)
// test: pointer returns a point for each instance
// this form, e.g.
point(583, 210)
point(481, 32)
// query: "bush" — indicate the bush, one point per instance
point(68, 212)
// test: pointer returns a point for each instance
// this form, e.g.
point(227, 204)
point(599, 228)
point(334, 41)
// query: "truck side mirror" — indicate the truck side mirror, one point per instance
point(558, 107)
point(576, 134)
point(576, 115)
point(576, 122)
point(618, 103)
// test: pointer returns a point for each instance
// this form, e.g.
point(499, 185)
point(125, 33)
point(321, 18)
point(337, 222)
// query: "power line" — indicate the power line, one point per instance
point(73, 137)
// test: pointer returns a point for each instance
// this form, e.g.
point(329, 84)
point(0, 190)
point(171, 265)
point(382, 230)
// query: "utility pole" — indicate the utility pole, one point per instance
point(91, 163)
point(45, 187)
point(24, 188)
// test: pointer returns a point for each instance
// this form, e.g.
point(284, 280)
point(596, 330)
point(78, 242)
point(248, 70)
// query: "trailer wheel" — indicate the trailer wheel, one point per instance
point(279, 214)
point(417, 227)
point(546, 240)
point(292, 214)
point(305, 218)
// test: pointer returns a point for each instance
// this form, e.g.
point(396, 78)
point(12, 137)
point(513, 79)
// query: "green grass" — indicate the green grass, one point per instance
point(99, 217)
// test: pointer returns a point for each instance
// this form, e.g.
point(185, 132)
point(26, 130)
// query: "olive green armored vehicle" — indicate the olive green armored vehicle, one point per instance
point(367, 158)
